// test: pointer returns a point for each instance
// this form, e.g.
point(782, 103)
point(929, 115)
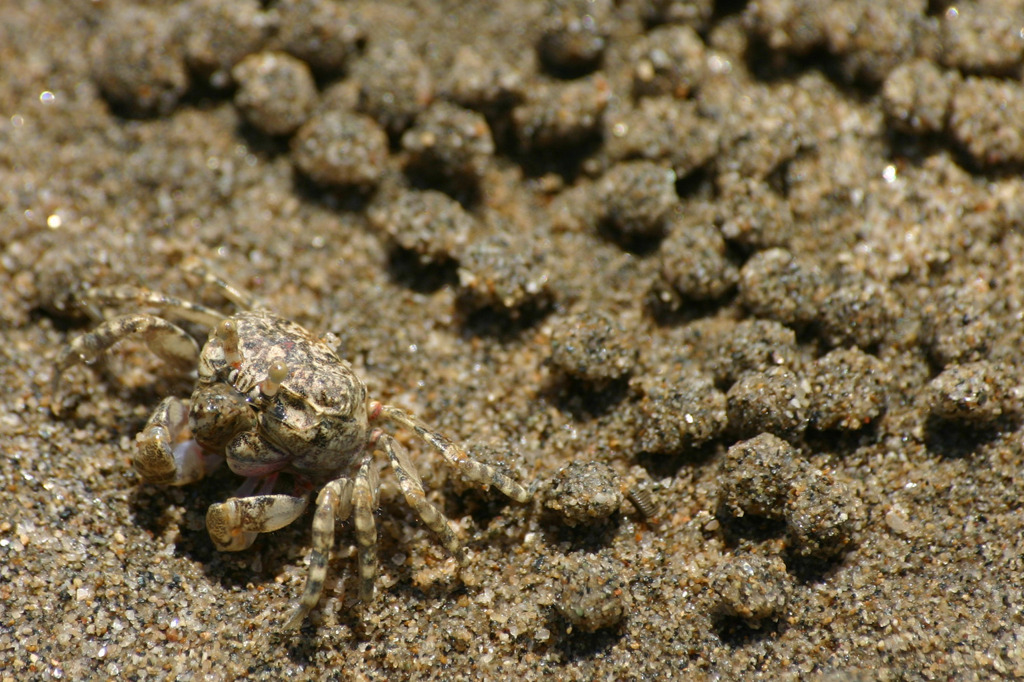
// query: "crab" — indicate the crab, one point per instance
point(272, 398)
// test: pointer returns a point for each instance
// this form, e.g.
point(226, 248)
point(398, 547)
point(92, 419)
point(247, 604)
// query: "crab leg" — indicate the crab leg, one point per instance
point(159, 456)
point(334, 503)
point(236, 295)
point(365, 497)
point(167, 340)
point(139, 296)
point(482, 474)
point(412, 489)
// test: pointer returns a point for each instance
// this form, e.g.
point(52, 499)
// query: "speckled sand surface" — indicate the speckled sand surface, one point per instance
point(761, 262)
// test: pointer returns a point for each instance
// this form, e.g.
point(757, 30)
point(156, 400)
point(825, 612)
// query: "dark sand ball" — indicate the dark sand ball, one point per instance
point(636, 198)
point(984, 120)
point(584, 492)
point(217, 34)
point(561, 115)
point(678, 412)
point(782, 286)
point(662, 129)
point(958, 325)
point(594, 592)
point(574, 35)
point(916, 96)
point(669, 60)
point(983, 37)
point(449, 141)
point(341, 149)
point(821, 516)
point(848, 389)
point(136, 62)
point(429, 223)
point(323, 33)
point(499, 271)
point(593, 348)
point(776, 400)
point(276, 92)
point(860, 312)
point(695, 263)
point(752, 345)
point(395, 85)
point(973, 393)
point(751, 587)
point(757, 477)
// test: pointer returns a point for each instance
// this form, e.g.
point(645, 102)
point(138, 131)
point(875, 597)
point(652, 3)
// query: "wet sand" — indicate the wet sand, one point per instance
point(755, 273)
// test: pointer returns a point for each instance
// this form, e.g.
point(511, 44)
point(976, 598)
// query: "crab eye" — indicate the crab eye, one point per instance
point(227, 332)
point(275, 375)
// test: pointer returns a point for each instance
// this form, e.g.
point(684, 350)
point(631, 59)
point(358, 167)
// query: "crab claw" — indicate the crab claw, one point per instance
point(224, 524)
point(158, 459)
point(233, 525)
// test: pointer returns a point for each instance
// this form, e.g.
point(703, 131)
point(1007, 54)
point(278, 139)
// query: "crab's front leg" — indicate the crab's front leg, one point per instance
point(217, 414)
point(167, 340)
point(233, 525)
point(162, 457)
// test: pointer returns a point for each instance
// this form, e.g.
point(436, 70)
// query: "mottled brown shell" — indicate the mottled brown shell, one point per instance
point(317, 419)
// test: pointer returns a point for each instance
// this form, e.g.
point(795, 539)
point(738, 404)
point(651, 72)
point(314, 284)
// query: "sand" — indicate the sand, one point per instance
point(753, 269)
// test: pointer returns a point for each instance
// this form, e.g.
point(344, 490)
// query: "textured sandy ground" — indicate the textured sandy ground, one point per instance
point(879, 143)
